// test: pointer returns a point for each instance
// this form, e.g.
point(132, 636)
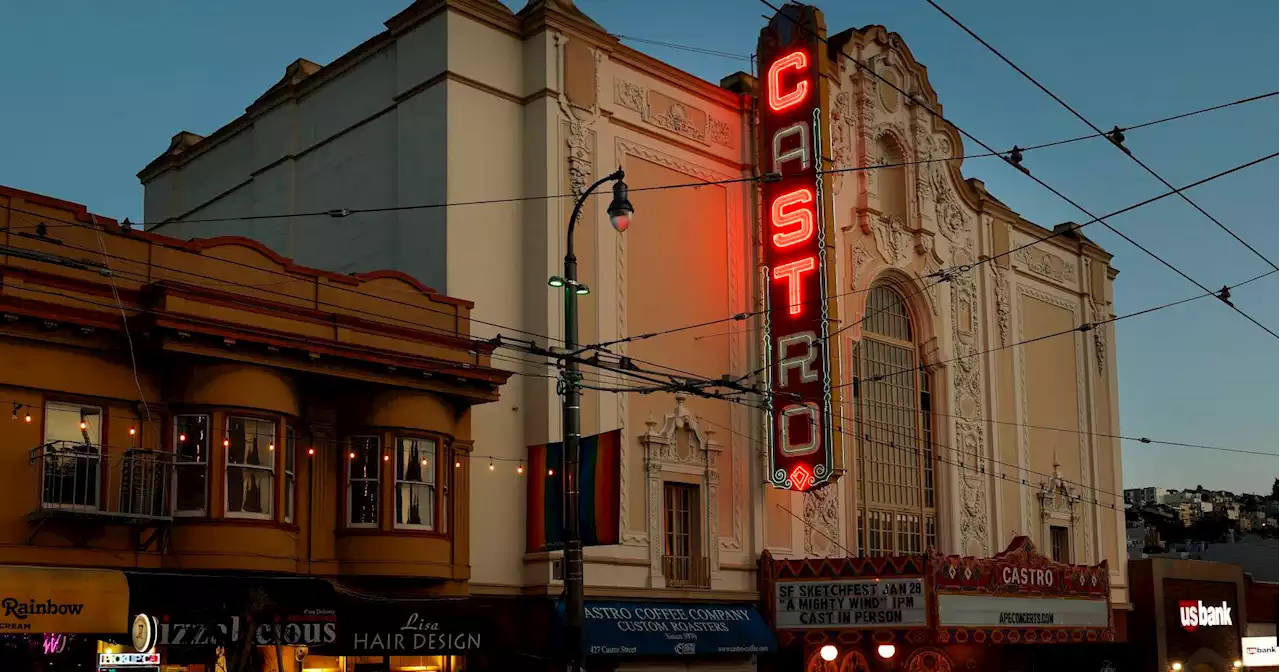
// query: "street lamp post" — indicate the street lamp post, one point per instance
point(620, 212)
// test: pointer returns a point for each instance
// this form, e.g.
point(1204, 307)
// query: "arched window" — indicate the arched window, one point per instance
point(896, 497)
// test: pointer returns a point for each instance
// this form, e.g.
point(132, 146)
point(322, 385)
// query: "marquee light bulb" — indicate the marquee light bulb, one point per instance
point(886, 651)
point(829, 653)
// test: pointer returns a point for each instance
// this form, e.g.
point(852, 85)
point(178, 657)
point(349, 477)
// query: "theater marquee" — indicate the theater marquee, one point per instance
point(797, 269)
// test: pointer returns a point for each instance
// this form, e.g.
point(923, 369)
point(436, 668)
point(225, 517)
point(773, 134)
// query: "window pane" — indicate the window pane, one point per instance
point(415, 482)
point(290, 446)
point(362, 480)
point(192, 484)
point(250, 466)
point(249, 490)
point(191, 457)
point(72, 461)
point(62, 422)
point(191, 438)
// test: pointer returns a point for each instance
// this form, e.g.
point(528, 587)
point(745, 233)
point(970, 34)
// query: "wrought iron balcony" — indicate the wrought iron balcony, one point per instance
point(683, 571)
point(77, 481)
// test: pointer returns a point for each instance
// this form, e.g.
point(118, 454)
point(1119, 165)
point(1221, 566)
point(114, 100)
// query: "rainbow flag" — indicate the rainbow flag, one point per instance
point(599, 493)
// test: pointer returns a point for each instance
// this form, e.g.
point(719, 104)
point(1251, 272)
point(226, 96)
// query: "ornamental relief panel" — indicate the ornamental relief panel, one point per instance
point(658, 109)
point(736, 237)
point(1085, 482)
point(1045, 263)
point(680, 448)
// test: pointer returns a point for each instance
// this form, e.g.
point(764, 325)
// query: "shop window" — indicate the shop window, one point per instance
point(191, 465)
point(251, 467)
point(416, 464)
point(72, 457)
point(290, 472)
point(896, 477)
point(363, 469)
point(682, 563)
point(1059, 544)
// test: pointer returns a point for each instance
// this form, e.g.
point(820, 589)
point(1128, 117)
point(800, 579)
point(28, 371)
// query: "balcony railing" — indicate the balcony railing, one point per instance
point(75, 480)
point(683, 571)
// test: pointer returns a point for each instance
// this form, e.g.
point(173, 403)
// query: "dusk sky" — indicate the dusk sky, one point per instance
point(94, 90)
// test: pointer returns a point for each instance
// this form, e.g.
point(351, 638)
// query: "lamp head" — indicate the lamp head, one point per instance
point(620, 210)
point(555, 281)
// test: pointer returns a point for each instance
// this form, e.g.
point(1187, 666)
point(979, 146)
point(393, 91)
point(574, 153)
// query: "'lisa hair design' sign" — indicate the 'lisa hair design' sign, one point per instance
point(797, 258)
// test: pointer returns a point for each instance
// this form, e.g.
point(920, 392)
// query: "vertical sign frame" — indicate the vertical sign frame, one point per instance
point(798, 253)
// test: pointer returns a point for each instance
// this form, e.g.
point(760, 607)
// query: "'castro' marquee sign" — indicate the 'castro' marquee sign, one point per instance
point(797, 240)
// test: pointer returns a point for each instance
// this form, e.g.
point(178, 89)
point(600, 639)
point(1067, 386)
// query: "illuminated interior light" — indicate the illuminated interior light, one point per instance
point(778, 101)
point(801, 218)
point(801, 478)
point(791, 273)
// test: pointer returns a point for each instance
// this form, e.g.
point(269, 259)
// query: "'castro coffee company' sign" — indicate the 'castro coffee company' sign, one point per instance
point(797, 267)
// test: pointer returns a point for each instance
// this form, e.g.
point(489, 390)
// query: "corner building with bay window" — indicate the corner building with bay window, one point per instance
point(214, 458)
point(940, 447)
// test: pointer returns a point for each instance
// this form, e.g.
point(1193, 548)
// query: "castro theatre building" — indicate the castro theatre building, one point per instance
point(1016, 611)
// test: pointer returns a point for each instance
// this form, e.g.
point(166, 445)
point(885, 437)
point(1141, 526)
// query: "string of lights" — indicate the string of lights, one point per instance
point(1116, 135)
point(942, 276)
point(1013, 158)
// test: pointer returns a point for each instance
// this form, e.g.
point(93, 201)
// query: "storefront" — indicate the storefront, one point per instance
point(1013, 611)
point(1188, 615)
point(54, 619)
point(203, 623)
point(635, 636)
point(1261, 603)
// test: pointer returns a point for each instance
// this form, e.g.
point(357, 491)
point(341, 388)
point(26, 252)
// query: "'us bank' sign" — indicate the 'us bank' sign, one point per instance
point(797, 269)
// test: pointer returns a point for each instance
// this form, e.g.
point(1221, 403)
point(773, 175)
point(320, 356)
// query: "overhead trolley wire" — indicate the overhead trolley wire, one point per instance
point(1116, 136)
point(1011, 161)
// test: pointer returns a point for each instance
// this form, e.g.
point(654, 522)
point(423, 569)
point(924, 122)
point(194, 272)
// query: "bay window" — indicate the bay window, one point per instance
point(251, 467)
point(363, 469)
point(191, 465)
point(416, 463)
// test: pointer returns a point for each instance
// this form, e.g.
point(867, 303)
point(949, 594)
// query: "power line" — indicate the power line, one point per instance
point(1014, 159)
point(346, 212)
point(1116, 136)
point(684, 47)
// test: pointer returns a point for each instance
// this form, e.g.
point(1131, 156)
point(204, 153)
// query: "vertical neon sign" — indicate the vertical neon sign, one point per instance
point(797, 243)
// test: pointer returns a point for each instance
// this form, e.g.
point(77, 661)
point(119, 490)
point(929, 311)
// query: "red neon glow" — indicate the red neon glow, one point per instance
point(791, 273)
point(801, 217)
point(801, 478)
point(778, 101)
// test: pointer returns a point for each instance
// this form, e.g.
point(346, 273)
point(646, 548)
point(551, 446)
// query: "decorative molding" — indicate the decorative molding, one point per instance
point(822, 522)
point(858, 258)
point(1059, 507)
point(719, 132)
point(841, 132)
point(581, 164)
point(1000, 280)
point(736, 237)
point(676, 117)
point(665, 453)
point(1081, 397)
point(966, 381)
point(1097, 313)
point(892, 240)
point(630, 96)
point(1047, 264)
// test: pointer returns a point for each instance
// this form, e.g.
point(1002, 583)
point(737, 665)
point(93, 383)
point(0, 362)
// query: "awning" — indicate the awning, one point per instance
point(63, 600)
point(673, 629)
